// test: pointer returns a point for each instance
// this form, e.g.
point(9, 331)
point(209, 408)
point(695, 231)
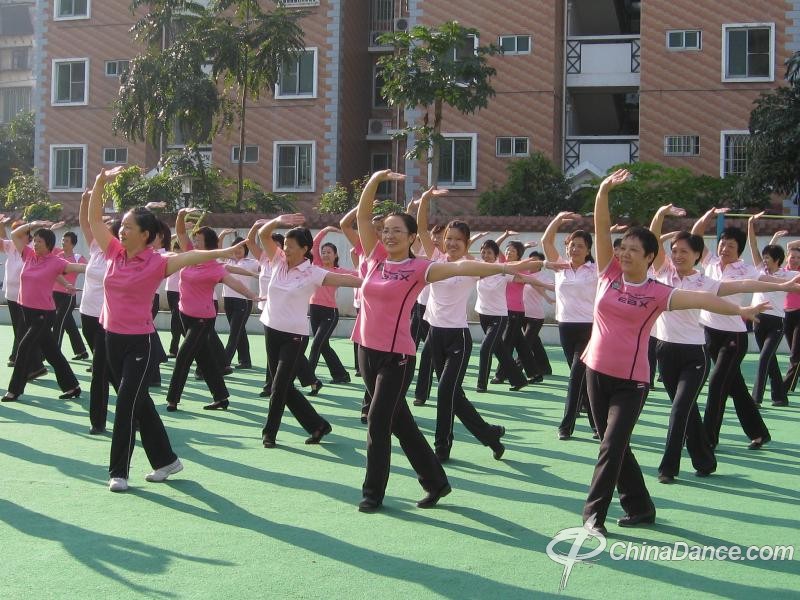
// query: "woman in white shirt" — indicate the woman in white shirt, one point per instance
point(237, 307)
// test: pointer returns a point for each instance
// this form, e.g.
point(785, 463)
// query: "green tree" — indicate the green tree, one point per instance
point(535, 186)
point(339, 199)
point(432, 67)
point(248, 49)
point(26, 193)
point(654, 185)
point(16, 146)
point(774, 143)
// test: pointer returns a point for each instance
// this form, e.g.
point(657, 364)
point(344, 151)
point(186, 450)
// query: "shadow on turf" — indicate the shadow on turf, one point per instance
point(107, 555)
point(438, 580)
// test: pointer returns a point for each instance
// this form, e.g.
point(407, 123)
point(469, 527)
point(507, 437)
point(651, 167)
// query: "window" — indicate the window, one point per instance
point(380, 161)
point(748, 52)
point(458, 160)
point(298, 78)
point(115, 68)
point(13, 101)
point(67, 168)
point(683, 40)
point(512, 146)
point(378, 100)
point(681, 145)
point(250, 154)
point(72, 9)
point(466, 49)
point(116, 156)
point(70, 83)
point(515, 44)
point(16, 20)
point(293, 167)
point(19, 59)
point(733, 152)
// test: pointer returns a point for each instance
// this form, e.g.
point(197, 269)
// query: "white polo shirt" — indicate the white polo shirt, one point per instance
point(683, 326)
point(11, 273)
point(532, 297)
point(288, 294)
point(492, 295)
point(251, 264)
point(92, 299)
point(576, 290)
point(736, 271)
point(775, 298)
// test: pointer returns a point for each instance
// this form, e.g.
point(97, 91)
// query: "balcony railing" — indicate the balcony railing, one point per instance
point(598, 153)
point(603, 61)
point(293, 3)
point(381, 20)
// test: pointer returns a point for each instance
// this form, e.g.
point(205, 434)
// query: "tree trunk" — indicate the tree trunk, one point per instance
point(242, 117)
point(436, 149)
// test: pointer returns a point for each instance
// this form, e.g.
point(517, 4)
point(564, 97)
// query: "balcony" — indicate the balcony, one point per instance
point(603, 61)
point(595, 154)
point(381, 20)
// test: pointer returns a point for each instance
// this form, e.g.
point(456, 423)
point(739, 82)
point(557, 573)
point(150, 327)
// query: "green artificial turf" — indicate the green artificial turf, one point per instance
point(242, 521)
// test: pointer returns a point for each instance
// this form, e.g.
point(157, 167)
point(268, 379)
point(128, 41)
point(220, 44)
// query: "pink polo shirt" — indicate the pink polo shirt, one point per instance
point(623, 317)
point(289, 292)
point(37, 278)
point(514, 296)
point(71, 277)
point(325, 295)
point(387, 297)
point(130, 284)
point(196, 289)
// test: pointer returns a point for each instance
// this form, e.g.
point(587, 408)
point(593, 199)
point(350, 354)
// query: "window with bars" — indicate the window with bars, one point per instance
point(734, 153)
point(512, 146)
point(72, 9)
point(70, 81)
point(682, 145)
point(14, 101)
point(689, 39)
point(457, 161)
point(515, 44)
point(748, 52)
point(67, 168)
point(298, 78)
point(250, 154)
point(293, 168)
point(115, 156)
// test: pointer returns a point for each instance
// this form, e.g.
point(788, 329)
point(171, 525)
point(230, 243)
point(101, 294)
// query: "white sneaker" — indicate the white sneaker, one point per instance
point(164, 472)
point(117, 484)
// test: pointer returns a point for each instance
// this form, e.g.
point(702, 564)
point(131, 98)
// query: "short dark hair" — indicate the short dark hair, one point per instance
point(775, 252)
point(278, 239)
point(647, 238)
point(737, 235)
point(411, 224)
point(460, 226)
point(537, 255)
point(210, 237)
point(335, 252)
point(491, 245)
point(70, 235)
point(694, 241)
point(587, 239)
point(519, 247)
point(48, 237)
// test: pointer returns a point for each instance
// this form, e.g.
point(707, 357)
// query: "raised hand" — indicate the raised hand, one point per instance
point(751, 312)
point(617, 228)
point(290, 220)
point(616, 178)
point(56, 226)
point(155, 205)
point(387, 175)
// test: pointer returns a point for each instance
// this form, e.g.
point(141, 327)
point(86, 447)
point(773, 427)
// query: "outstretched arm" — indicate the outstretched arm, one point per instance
point(549, 236)
point(602, 218)
point(265, 233)
point(422, 219)
point(175, 262)
point(238, 287)
point(341, 280)
point(683, 299)
point(252, 245)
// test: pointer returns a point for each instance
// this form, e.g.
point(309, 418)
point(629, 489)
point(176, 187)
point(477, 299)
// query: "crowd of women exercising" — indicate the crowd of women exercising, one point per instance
point(622, 308)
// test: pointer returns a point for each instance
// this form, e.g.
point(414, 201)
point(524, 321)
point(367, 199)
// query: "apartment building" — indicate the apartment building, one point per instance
point(16, 58)
point(590, 83)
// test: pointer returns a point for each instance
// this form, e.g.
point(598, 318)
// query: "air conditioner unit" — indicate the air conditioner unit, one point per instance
point(379, 127)
point(401, 24)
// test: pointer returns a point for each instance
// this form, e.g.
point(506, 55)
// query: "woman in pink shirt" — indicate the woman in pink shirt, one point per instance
point(791, 321)
point(616, 358)
point(294, 280)
point(40, 270)
point(323, 314)
point(133, 273)
point(386, 348)
point(198, 315)
point(65, 299)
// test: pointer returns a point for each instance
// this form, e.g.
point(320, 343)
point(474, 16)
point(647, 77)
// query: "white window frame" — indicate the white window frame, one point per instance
point(56, 17)
point(473, 183)
point(117, 61)
point(684, 47)
point(281, 96)
point(513, 152)
point(722, 135)
point(275, 147)
point(247, 162)
point(516, 37)
point(115, 162)
point(54, 82)
point(728, 26)
point(53, 148)
point(681, 135)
